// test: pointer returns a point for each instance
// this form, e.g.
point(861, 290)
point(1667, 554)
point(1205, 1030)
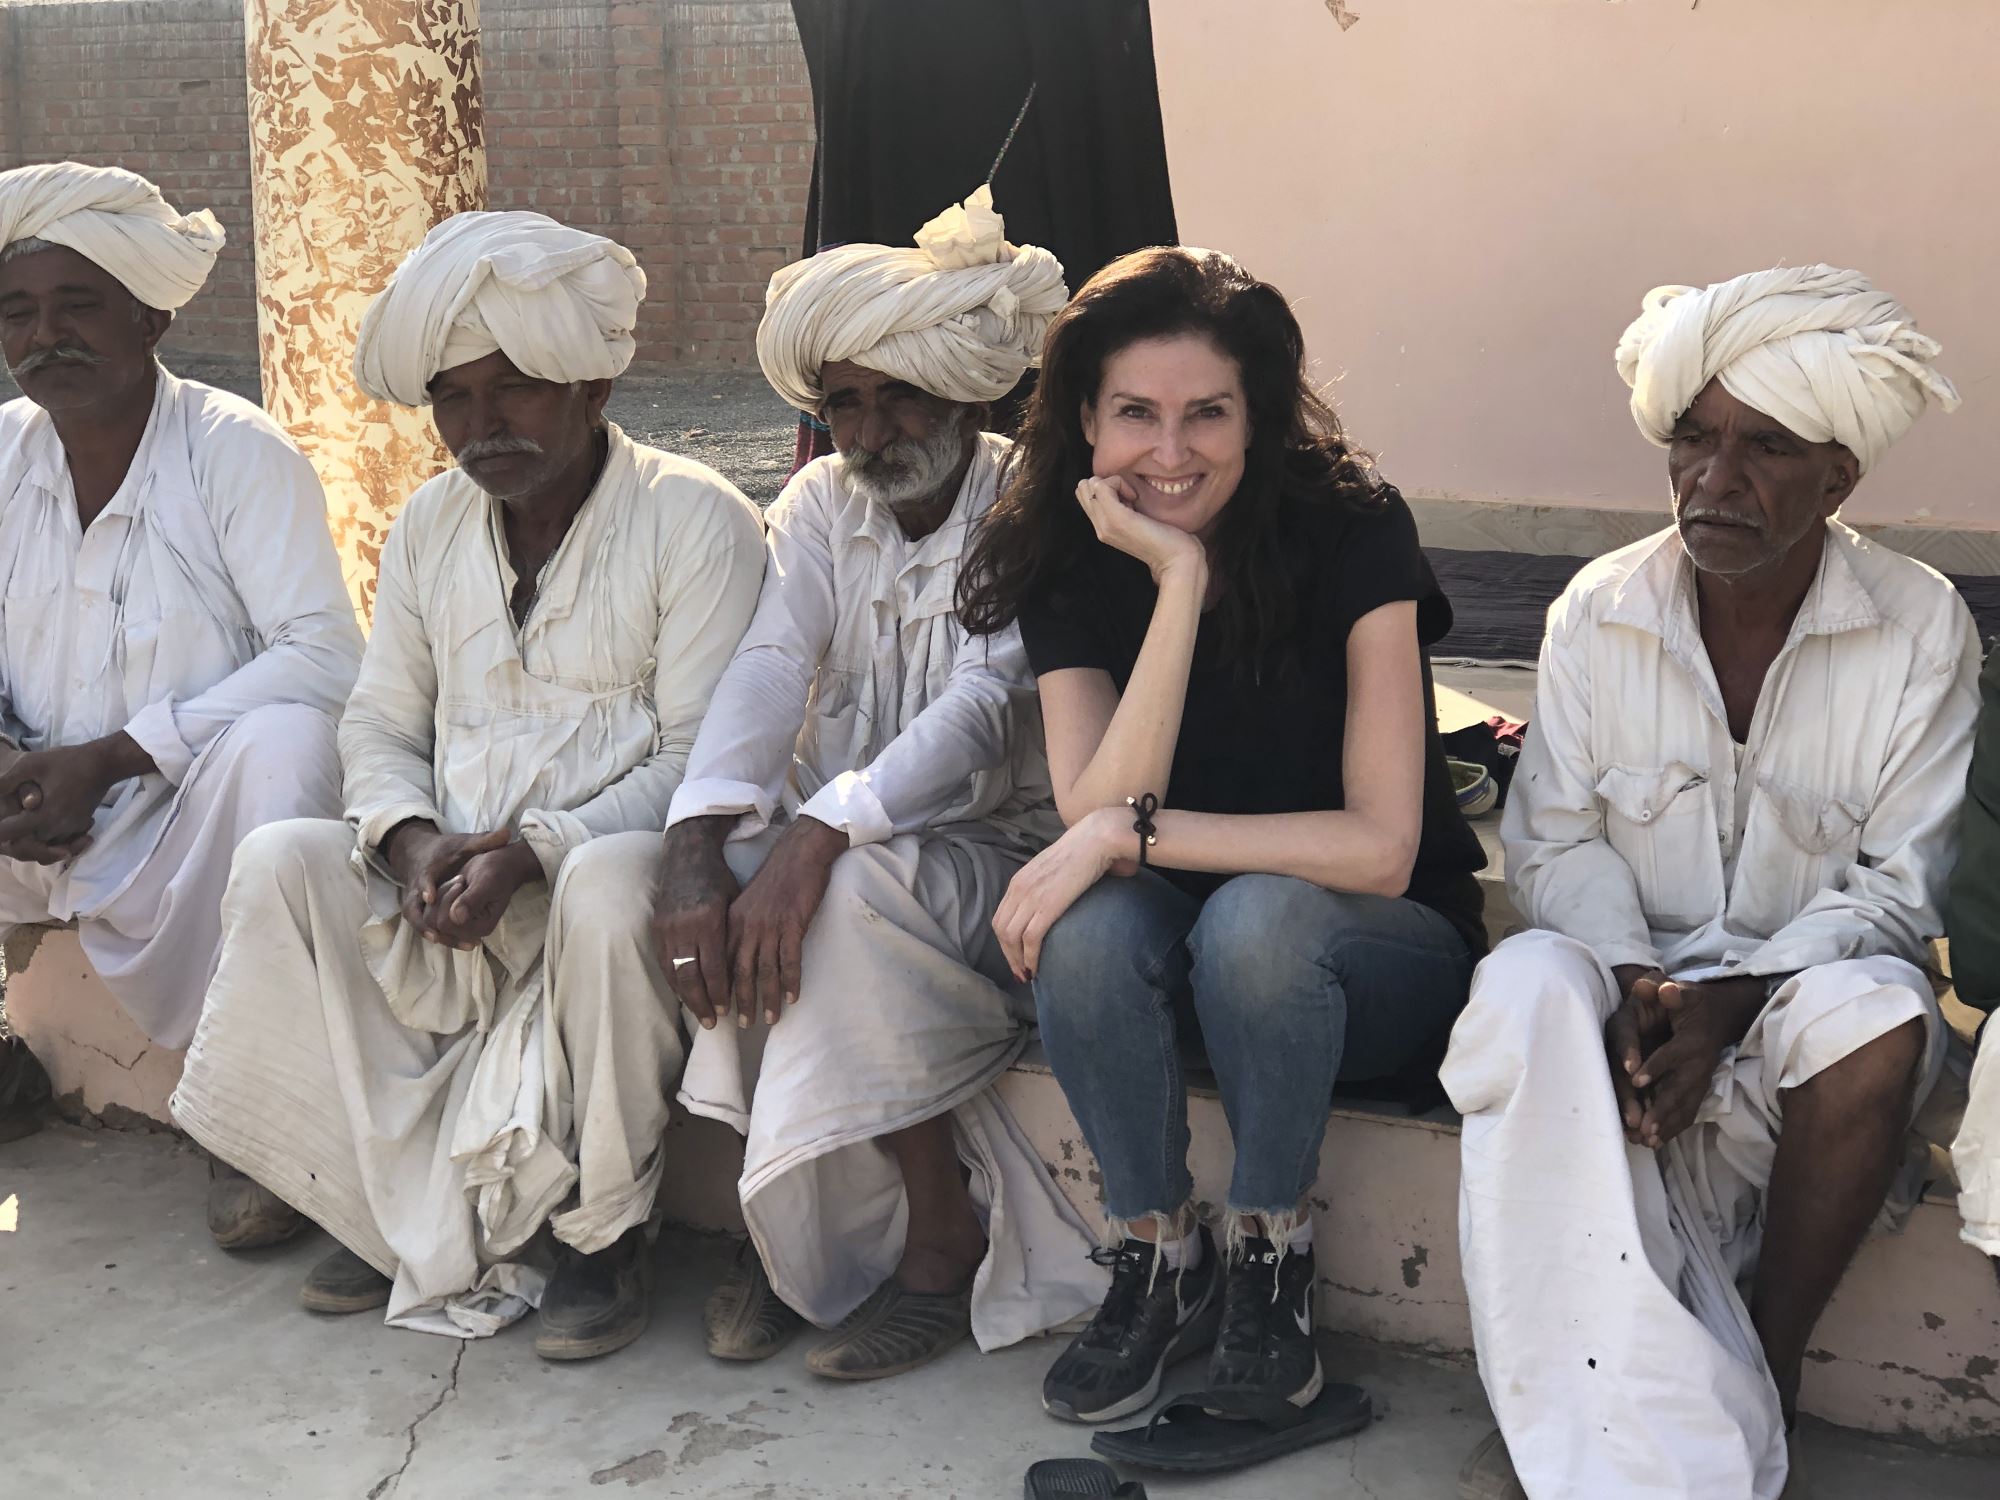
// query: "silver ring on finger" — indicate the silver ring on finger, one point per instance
point(679, 962)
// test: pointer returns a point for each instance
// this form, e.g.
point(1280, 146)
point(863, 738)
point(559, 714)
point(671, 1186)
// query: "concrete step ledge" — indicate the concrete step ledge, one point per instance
point(1910, 1347)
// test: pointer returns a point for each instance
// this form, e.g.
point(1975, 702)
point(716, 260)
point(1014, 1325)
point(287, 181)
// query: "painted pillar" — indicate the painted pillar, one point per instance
point(365, 130)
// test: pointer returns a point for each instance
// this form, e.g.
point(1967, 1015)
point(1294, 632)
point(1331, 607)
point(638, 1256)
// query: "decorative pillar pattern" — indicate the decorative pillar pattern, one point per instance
point(365, 130)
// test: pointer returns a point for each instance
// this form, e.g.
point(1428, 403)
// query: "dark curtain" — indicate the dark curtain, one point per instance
point(914, 97)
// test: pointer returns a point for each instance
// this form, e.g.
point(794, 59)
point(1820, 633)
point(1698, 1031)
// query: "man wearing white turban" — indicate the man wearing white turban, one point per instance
point(176, 639)
point(1687, 1091)
point(436, 1027)
point(866, 783)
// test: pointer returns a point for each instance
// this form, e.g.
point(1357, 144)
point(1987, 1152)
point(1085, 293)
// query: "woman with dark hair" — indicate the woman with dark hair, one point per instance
point(1226, 611)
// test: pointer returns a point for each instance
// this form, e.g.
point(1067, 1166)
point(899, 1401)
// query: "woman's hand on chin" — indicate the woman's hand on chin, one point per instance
point(1112, 506)
point(1054, 880)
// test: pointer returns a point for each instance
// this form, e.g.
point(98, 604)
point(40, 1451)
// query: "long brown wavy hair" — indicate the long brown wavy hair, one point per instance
point(1297, 456)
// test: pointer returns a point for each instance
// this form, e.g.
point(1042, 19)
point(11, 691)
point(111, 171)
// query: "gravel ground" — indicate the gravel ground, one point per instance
point(729, 419)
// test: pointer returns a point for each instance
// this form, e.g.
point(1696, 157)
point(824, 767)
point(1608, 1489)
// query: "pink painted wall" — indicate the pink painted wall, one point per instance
point(1465, 200)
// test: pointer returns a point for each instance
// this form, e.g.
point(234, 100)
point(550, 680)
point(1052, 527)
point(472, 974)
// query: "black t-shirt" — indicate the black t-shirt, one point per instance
point(1269, 738)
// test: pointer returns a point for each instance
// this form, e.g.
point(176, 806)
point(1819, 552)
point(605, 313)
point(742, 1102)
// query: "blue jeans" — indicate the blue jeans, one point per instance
point(1290, 987)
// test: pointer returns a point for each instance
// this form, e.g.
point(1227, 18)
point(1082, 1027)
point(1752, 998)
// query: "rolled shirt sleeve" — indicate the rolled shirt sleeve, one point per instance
point(743, 753)
point(269, 514)
point(710, 575)
point(1889, 899)
point(925, 772)
point(388, 733)
point(1562, 872)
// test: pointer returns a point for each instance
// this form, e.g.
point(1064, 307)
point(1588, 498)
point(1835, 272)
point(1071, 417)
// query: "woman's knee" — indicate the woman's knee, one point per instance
point(1110, 932)
point(1264, 940)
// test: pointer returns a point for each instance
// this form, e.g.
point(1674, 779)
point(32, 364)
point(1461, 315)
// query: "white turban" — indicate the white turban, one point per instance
point(1818, 349)
point(961, 315)
point(117, 220)
point(558, 302)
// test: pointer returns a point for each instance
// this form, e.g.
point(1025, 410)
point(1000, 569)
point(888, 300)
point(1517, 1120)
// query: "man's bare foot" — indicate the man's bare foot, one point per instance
point(940, 1269)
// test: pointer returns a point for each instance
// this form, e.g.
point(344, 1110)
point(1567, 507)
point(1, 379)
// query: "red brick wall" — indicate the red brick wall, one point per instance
point(741, 133)
point(156, 86)
point(682, 128)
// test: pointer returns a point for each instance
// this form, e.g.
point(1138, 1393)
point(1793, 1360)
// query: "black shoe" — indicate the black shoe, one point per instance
point(595, 1304)
point(1265, 1347)
point(1151, 1317)
point(344, 1283)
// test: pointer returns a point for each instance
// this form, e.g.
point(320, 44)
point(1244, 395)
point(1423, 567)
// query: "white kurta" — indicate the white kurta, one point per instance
point(419, 1077)
point(202, 610)
point(1638, 832)
point(858, 699)
point(1975, 1155)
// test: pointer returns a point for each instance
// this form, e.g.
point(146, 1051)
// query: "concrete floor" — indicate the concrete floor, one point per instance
point(140, 1361)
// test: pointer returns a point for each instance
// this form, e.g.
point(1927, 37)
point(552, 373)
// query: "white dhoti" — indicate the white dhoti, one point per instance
point(1606, 1280)
point(906, 1011)
point(437, 1156)
point(1975, 1155)
point(146, 897)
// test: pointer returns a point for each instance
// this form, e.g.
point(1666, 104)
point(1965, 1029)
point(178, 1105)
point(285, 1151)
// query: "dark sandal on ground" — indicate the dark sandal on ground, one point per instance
point(1151, 1317)
point(893, 1332)
point(24, 1089)
point(344, 1283)
point(244, 1215)
point(744, 1318)
point(1082, 1478)
point(596, 1304)
point(1208, 1432)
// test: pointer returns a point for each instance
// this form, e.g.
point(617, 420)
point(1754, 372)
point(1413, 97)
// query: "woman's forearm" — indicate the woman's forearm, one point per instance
point(1137, 750)
point(1342, 851)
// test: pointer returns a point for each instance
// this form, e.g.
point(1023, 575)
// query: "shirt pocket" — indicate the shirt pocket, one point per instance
point(29, 630)
point(1661, 821)
point(835, 717)
point(1799, 841)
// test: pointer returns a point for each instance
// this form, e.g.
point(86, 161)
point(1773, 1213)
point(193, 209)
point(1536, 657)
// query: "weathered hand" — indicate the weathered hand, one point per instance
point(1636, 1028)
point(691, 916)
point(471, 903)
point(1706, 1019)
point(1051, 883)
point(50, 796)
point(768, 922)
point(424, 860)
point(1111, 505)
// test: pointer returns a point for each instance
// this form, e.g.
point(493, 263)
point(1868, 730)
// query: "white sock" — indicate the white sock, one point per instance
point(1183, 1254)
point(1301, 1237)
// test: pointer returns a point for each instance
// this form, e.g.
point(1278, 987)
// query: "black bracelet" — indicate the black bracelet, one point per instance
point(1143, 809)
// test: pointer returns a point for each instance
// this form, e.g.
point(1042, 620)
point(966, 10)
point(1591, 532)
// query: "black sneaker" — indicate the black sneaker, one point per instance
point(1151, 1317)
point(595, 1304)
point(1265, 1346)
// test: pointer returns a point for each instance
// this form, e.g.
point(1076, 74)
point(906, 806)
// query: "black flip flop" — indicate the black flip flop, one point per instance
point(1081, 1478)
point(1187, 1437)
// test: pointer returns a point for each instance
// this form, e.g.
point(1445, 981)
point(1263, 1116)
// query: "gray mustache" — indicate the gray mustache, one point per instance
point(61, 354)
point(499, 447)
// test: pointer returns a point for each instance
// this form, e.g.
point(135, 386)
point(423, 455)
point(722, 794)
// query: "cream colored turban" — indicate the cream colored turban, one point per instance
point(961, 315)
point(559, 302)
point(114, 219)
point(1820, 350)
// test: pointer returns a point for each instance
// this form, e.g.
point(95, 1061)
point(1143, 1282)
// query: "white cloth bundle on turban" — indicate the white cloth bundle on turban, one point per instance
point(961, 315)
point(1818, 349)
point(114, 219)
point(560, 303)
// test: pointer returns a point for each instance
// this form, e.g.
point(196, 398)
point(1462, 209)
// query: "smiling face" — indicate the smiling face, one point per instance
point(1747, 489)
point(1171, 419)
point(512, 434)
point(73, 337)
